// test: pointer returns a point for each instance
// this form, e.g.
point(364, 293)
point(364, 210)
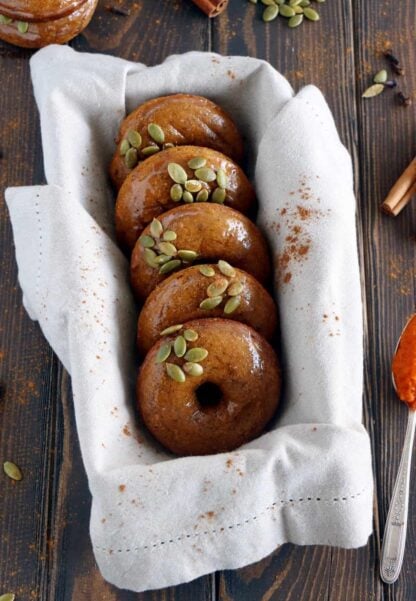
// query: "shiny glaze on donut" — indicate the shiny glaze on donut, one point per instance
point(35, 10)
point(56, 31)
point(145, 193)
point(244, 367)
point(186, 120)
point(176, 300)
point(214, 232)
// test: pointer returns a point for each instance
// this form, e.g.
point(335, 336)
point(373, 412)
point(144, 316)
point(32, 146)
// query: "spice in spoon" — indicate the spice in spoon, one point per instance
point(404, 365)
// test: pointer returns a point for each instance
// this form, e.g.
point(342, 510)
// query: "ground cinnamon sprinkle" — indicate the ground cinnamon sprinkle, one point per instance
point(297, 243)
point(403, 275)
point(126, 430)
point(294, 218)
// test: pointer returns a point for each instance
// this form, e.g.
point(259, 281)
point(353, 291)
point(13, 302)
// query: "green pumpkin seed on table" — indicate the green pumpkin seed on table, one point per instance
point(12, 471)
point(294, 11)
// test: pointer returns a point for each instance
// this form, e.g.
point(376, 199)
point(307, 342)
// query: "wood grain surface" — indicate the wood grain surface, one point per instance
point(45, 552)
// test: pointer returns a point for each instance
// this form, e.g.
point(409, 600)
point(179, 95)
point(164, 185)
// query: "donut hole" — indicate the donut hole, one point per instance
point(209, 396)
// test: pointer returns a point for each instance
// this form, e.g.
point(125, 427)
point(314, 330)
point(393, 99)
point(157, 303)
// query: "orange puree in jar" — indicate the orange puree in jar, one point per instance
point(404, 365)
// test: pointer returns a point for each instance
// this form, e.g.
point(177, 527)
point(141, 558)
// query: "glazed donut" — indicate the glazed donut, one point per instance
point(33, 24)
point(178, 299)
point(203, 232)
point(217, 396)
point(149, 189)
point(177, 120)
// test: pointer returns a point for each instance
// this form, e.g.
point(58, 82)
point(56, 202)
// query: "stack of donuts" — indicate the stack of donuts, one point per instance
point(210, 379)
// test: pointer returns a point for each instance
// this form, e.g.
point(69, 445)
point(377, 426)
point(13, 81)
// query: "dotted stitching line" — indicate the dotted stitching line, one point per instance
point(40, 254)
point(280, 503)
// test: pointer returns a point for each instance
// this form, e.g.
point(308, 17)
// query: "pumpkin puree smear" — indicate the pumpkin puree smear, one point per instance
point(404, 365)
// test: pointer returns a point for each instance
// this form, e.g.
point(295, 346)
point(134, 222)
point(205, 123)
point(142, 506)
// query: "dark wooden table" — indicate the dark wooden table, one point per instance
point(45, 551)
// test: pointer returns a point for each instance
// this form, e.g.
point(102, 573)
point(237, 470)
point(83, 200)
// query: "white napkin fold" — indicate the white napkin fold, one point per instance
point(158, 520)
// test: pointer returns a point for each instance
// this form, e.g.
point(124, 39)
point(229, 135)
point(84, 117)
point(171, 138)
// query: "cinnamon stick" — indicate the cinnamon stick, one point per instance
point(402, 191)
point(212, 8)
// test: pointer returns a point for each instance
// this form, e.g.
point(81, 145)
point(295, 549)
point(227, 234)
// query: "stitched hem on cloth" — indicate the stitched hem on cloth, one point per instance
point(281, 503)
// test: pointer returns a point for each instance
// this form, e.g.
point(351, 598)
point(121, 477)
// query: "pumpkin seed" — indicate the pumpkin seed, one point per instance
point(217, 288)
point(131, 159)
point(294, 3)
point(320, 1)
point(210, 303)
point(187, 255)
point(22, 26)
point(168, 248)
point(197, 163)
point(207, 271)
point(176, 192)
point(156, 133)
point(205, 174)
point(179, 346)
point(253, 1)
point(161, 259)
point(193, 369)
point(124, 147)
point(8, 597)
point(295, 21)
point(226, 268)
point(168, 145)
point(298, 10)
point(5, 20)
point(169, 266)
point(156, 228)
point(164, 352)
point(193, 185)
point(222, 179)
point(190, 335)
point(187, 197)
point(305, 3)
point(146, 241)
point(150, 150)
point(177, 173)
point(169, 236)
point(232, 304)
point(219, 195)
point(175, 372)
point(373, 90)
point(380, 76)
point(235, 289)
point(197, 354)
point(149, 257)
point(286, 11)
point(268, 2)
point(134, 138)
point(270, 13)
point(171, 329)
point(311, 14)
point(12, 470)
point(202, 196)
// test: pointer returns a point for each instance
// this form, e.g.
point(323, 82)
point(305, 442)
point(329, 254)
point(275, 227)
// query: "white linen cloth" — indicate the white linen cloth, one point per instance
point(158, 520)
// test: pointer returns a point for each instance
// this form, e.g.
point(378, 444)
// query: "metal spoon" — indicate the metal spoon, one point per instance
point(394, 540)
